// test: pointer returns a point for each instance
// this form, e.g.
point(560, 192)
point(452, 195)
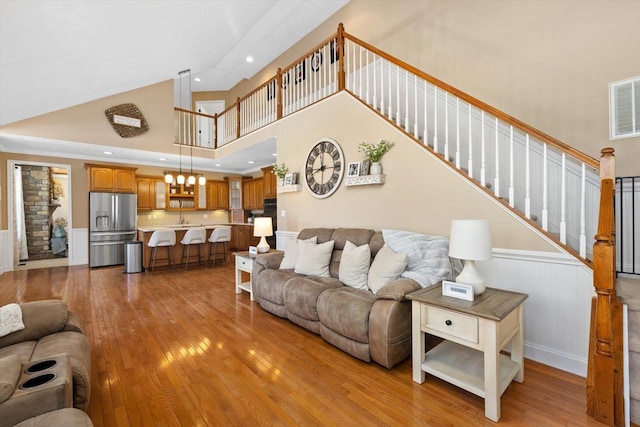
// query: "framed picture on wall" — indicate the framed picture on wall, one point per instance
point(288, 179)
point(364, 169)
point(353, 169)
point(316, 61)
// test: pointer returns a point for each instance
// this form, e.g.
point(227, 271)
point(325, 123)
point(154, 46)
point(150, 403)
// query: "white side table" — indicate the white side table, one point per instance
point(244, 262)
point(474, 333)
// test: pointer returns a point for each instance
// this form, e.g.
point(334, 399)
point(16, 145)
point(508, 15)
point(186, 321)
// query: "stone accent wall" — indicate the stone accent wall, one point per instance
point(36, 190)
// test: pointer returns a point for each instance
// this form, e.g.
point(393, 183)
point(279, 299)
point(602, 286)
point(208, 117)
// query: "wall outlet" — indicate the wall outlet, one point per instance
point(283, 213)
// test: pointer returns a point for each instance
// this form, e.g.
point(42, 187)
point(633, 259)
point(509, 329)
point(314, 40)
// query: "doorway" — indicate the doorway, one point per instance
point(39, 208)
point(204, 126)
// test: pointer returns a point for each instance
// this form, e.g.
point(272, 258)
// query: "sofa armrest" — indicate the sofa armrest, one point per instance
point(270, 260)
point(40, 318)
point(398, 289)
point(74, 324)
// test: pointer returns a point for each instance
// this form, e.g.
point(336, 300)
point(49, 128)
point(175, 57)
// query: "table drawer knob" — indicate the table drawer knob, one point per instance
point(448, 322)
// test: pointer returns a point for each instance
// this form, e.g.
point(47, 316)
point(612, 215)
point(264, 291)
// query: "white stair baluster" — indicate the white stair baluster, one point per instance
point(415, 108)
point(563, 202)
point(366, 55)
point(470, 161)
point(496, 181)
point(545, 209)
point(457, 133)
point(583, 237)
point(483, 181)
point(435, 118)
point(446, 126)
point(527, 194)
point(511, 179)
point(406, 101)
point(375, 84)
point(425, 134)
point(382, 62)
point(360, 72)
point(390, 112)
point(398, 95)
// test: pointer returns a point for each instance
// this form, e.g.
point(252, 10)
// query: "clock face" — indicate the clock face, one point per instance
point(324, 168)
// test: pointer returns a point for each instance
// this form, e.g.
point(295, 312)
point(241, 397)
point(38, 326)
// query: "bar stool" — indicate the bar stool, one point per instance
point(161, 238)
point(193, 236)
point(220, 235)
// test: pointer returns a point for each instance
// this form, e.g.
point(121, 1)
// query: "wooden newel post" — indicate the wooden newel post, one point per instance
point(340, 51)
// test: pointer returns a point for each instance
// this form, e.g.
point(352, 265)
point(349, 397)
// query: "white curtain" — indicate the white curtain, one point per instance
point(20, 251)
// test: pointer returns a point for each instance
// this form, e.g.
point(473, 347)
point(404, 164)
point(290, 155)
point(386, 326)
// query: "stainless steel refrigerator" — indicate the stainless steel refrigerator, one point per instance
point(112, 221)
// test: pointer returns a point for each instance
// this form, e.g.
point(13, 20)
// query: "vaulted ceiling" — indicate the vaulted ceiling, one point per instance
point(57, 54)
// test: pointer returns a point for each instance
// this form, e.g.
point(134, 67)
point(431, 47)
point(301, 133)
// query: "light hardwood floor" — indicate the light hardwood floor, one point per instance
point(181, 348)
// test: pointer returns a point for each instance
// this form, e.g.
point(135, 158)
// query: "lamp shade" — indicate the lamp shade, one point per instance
point(470, 239)
point(168, 178)
point(262, 227)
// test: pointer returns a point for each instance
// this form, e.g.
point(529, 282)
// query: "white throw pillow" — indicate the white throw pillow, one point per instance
point(354, 265)
point(291, 252)
point(386, 267)
point(313, 259)
point(10, 319)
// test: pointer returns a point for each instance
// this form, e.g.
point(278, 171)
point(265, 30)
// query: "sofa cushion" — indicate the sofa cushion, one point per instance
point(301, 295)
point(386, 267)
point(346, 311)
point(271, 284)
point(22, 350)
point(357, 236)
point(323, 234)
point(354, 265)
point(10, 319)
point(291, 252)
point(40, 318)
point(68, 417)
point(313, 259)
point(10, 368)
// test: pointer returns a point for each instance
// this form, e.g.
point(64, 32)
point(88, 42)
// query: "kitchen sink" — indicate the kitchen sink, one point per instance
point(184, 225)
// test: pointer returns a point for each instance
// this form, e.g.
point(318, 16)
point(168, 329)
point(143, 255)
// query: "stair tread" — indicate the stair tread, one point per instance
point(629, 290)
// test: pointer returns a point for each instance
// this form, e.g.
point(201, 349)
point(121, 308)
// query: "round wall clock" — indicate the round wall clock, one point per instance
point(324, 168)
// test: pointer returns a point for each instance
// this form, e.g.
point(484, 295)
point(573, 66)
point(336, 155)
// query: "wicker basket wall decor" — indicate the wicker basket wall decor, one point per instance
point(129, 111)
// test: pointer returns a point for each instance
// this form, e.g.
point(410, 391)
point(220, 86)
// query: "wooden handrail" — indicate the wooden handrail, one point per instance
point(195, 113)
point(481, 105)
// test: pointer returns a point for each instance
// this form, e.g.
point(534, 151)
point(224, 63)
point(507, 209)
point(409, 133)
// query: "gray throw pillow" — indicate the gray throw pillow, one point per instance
point(313, 259)
point(291, 252)
point(354, 265)
point(386, 267)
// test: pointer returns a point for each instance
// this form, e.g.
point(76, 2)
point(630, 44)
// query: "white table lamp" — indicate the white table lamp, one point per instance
point(470, 240)
point(262, 227)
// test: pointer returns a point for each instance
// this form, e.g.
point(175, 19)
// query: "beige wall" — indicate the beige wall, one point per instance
point(545, 62)
point(420, 193)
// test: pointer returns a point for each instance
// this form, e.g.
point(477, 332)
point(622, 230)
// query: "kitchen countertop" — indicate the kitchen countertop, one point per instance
point(182, 227)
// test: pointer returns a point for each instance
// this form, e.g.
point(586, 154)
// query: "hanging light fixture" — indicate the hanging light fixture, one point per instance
point(180, 177)
point(202, 180)
point(168, 178)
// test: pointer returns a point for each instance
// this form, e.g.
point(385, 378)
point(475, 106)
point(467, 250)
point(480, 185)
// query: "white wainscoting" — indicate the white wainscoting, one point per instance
point(558, 310)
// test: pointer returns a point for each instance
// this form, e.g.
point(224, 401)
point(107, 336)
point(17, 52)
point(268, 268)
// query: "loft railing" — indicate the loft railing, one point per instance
point(627, 207)
point(605, 397)
point(546, 181)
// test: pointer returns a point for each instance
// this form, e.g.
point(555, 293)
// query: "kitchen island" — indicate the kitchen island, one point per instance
point(241, 238)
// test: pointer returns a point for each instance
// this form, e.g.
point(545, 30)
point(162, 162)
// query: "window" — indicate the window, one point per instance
point(625, 108)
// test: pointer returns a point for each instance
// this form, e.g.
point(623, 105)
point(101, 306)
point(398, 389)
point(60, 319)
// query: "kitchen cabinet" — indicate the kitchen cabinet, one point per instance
point(235, 192)
point(242, 237)
point(253, 194)
point(111, 179)
point(218, 195)
point(270, 184)
point(151, 192)
point(145, 189)
point(182, 197)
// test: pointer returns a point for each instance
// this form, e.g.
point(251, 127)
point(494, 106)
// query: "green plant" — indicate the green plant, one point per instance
point(375, 151)
point(280, 170)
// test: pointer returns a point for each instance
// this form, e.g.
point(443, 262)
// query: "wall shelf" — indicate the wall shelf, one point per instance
point(352, 181)
point(289, 188)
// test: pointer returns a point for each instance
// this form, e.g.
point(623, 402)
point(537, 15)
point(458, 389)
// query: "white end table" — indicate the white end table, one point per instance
point(474, 333)
point(244, 262)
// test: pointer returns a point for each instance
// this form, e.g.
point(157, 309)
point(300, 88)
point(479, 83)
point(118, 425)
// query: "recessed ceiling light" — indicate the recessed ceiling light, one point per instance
point(107, 152)
point(251, 162)
point(249, 58)
point(162, 159)
point(275, 154)
point(218, 164)
point(197, 79)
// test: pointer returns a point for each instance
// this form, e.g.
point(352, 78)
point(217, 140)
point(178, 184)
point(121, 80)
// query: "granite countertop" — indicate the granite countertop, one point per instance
point(183, 227)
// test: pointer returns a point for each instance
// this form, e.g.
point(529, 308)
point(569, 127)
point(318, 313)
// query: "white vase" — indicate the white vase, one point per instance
point(376, 168)
point(280, 182)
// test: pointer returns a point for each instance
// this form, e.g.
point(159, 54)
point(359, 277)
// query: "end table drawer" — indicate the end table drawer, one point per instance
point(451, 323)
point(244, 264)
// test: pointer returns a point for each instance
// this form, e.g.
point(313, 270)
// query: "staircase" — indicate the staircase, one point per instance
point(629, 291)
point(552, 186)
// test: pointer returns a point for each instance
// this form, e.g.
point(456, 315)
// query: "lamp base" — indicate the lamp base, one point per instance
point(470, 276)
point(263, 246)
